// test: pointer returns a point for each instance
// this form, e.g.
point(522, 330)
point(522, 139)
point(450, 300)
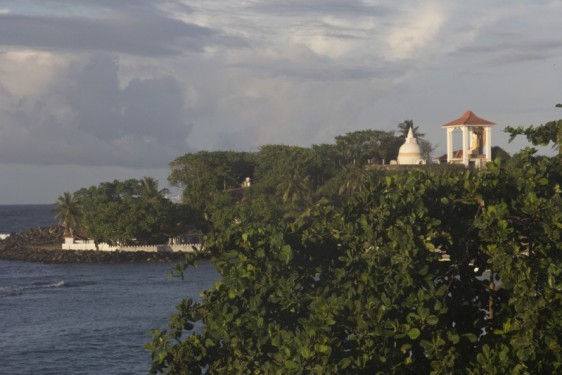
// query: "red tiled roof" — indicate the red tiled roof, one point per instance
point(469, 118)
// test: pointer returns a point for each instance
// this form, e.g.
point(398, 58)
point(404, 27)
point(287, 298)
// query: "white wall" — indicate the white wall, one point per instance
point(188, 248)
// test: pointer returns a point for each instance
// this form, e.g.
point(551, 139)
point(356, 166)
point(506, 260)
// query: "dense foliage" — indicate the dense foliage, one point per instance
point(124, 212)
point(285, 180)
point(416, 272)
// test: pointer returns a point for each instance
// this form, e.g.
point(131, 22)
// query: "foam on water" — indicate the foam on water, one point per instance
point(18, 289)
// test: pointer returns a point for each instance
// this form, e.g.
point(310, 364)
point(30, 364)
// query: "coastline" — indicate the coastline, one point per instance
point(44, 245)
point(42, 255)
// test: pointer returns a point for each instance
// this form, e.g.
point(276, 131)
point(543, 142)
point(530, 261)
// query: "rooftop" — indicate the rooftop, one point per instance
point(469, 118)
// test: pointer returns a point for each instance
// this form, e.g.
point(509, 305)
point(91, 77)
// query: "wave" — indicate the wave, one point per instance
point(15, 290)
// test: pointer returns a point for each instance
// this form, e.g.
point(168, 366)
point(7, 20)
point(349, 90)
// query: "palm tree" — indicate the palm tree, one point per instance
point(149, 188)
point(68, 213)
point(355, 179)
point(405, 126)
point(296, 188)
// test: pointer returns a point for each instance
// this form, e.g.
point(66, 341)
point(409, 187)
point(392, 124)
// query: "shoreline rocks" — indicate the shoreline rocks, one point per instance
point(36, 245)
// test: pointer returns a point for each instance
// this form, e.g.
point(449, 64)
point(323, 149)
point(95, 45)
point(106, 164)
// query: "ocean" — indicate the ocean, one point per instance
point(20, 217)
point(84, 318)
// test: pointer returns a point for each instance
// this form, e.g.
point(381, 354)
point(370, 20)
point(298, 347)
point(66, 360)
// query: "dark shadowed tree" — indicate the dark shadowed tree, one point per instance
point(359, 146)
point(498, 152)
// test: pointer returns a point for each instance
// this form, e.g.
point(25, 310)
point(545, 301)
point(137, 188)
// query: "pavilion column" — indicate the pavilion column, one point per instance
point(465, 140)
point(488, 145)
point(450, 145)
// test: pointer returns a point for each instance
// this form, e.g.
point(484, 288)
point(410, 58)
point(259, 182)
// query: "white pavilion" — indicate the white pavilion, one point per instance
point(476, 140)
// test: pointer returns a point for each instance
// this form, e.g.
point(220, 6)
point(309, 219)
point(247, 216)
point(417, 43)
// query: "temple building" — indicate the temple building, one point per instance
point(476, 147)
point(410, 152)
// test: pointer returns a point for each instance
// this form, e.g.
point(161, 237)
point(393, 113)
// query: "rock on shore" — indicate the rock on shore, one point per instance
point(44, 245)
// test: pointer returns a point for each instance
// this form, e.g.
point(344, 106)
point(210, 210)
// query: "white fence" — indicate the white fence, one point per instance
point(89, 245)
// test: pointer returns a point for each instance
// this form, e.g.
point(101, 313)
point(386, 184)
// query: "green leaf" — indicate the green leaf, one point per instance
point(321, 348)
point(414, 333)
point(291, 365)
point(432, 320)
point(286, 254)
point(345, 363)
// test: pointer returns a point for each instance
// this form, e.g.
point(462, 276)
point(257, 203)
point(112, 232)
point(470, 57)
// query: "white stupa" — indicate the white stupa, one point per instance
point(410, 152)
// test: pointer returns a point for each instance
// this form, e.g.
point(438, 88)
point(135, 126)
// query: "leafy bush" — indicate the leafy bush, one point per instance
point(419, 272)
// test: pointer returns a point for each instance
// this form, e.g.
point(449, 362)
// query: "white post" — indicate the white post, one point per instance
point(488, 144)
point(465, 145)
point(450, 144)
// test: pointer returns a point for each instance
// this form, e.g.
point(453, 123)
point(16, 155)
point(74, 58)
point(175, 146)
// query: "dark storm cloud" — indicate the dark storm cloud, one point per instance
point(336, 7)
point(138, 34)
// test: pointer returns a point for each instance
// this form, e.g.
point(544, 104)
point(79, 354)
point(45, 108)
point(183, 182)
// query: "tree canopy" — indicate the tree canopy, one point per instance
point(540, 135)
point(126, 211)
point(417, 272)
point(285, 179)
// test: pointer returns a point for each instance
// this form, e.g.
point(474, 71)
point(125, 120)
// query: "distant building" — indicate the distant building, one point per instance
point(410, 152)
point(476, 147)
point(246, 183)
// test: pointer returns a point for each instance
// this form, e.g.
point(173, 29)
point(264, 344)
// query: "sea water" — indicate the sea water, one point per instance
point(21, 217)
point(87, 318)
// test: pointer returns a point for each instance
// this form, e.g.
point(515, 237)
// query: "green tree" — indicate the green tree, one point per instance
point(68, 213)
point(404, 278)
point(204, 173)
point(404, 128)
point(540, 135)
point(329, 163)
point(296, 189)
point(150, 190)
point(355, 179)
point(498, 152)
point(120, 212)
point(289, 173)
point(359, 146)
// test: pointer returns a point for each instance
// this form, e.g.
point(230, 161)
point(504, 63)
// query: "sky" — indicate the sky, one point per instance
point(97, 90)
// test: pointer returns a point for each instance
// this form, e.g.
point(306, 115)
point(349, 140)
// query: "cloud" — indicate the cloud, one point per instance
point(341, 8)
point(89, 119)
point(135, 83)
point(171, 75)
point(419, 28)
point(136, 34)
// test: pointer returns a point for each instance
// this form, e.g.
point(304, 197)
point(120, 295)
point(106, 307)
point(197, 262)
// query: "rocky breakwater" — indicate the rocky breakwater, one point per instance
point(44, 245)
